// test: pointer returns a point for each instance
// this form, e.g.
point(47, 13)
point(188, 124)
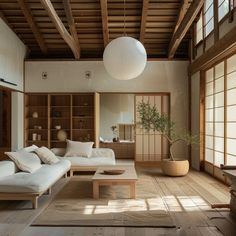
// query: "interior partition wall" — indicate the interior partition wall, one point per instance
point(151, 146)
point(220, 116)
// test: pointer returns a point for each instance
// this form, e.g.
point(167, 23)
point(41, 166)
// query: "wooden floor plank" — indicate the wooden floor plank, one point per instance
point(187, 200)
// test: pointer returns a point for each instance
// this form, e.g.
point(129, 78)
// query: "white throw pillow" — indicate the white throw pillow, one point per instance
point(78, 149)
point(31, 148)
point(25, 161)
point(46, 155)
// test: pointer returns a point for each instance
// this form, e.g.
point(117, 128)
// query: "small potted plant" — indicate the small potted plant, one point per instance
point(115, 133)
point(152, 119)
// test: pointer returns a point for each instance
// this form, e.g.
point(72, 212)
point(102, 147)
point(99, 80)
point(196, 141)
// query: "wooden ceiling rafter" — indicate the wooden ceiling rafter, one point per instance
point(143, 21)
point(71, 24)
point(184, 26)
point(97, 23)
point(182, 12)
point(105, 29)
point(32, 24)
point(69, 39)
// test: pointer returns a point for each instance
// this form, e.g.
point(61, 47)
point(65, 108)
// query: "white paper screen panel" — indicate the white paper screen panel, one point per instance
point(214, 115)
point(220, 113)
point(231, 111)
point(151, 146)
point(231, 64)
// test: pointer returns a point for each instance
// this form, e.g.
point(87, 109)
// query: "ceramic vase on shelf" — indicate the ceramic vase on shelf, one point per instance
point(61, 135)
point(34, 136)
point(35, 114)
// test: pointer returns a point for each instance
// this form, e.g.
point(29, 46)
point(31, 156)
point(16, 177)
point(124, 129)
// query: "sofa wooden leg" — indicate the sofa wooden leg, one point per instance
point(49, 191)
point(71, 173)
point(65, 175)
point(35, 203)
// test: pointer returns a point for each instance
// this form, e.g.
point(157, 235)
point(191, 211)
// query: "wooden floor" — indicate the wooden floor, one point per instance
point(187, 199)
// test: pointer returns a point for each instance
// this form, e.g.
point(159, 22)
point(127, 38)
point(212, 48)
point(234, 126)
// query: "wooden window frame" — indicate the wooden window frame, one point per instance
point(196, 44)
point(206, 23)
point(227, 14)
point(203, 161)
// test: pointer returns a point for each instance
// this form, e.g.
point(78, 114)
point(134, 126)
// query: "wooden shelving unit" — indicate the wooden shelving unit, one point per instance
point(36, 126)
point(83, 117)
point(74, 113)
point(60, 115)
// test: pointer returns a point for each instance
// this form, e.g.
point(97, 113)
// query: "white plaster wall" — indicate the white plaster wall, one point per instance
point(195, 118)
point(158, 76)
point(115, 109)
point(12, 54)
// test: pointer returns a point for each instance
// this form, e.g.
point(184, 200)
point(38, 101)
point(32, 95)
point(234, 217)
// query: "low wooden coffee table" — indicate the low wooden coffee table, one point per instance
point(129, 177)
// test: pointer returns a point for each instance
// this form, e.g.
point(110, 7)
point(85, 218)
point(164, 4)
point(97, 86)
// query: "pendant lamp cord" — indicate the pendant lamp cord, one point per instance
point(124, 18)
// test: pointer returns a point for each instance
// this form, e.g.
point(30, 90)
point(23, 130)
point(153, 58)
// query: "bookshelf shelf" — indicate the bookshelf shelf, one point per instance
point(73, 112)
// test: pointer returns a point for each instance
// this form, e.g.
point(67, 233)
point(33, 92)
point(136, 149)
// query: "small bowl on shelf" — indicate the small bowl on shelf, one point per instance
point(57, 127)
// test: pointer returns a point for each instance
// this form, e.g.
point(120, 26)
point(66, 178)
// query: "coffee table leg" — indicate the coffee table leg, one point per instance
point(132, 190)
point(95, 190)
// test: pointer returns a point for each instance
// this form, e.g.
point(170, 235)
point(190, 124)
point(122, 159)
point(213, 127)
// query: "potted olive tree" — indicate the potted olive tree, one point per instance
point(151, 119)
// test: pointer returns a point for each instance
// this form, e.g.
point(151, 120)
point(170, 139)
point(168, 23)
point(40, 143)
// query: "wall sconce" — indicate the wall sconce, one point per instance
point(88, 74)
point(44, 75)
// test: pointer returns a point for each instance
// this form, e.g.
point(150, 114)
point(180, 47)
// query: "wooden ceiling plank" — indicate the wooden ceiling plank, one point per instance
point(184, 26)
point(32, 24)
point(71, 24)
point(143, 20)
point(61, 28)
point(4, 19)
point(104, 14)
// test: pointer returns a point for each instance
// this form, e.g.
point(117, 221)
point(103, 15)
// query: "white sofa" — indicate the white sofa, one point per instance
point(99, 157)
point(18, 185)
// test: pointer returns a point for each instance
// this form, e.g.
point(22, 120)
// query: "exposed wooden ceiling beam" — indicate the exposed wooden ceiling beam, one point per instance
point(29, 18)
point(104, 15)
point(71, 22)
point(182, 12)
point(143, 20)
point(61, 28)
point(184, 26)
point(221, 49)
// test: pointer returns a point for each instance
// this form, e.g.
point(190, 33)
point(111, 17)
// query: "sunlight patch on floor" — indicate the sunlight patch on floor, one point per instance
point(167, 203)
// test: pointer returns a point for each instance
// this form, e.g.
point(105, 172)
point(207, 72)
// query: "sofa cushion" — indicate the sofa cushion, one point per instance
point(92, 161)
point(46, 155)
point(25, 161)
point(31, 148)
point(103, 152)
point(78, 149)
point(37, 182)
point(96, 152)
point(7, 168)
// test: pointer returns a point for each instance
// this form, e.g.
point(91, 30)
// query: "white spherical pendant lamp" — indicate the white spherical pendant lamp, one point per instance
point(124, 58)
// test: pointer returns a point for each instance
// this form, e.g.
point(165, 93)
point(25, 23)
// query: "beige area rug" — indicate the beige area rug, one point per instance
point(74, 206)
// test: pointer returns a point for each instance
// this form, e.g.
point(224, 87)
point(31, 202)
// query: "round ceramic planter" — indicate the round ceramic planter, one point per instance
point(175, 168)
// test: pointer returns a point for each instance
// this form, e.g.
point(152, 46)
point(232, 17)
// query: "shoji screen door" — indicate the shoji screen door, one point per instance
point(151, 146)
point(220, 116)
